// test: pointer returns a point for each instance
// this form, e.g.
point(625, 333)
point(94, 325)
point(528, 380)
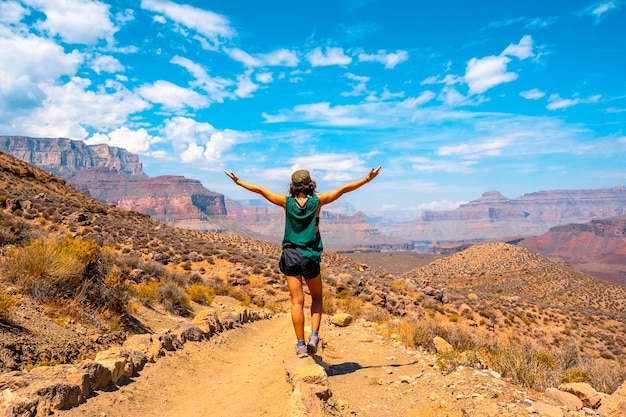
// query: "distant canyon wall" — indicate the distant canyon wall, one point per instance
point(115, 176)
point(494, 216)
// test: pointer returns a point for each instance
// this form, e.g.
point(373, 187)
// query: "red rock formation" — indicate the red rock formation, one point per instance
point(597, 248)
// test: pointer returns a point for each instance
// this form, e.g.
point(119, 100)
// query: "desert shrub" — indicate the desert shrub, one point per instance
point(148, 293)
point(114, 295)
point(525, 365)
point(194, 278)
point(174, 299)
point(201, 294)
point(49, 267)
point(238, 294)
point(7, 303)
point(56, 269)
point(13, 230)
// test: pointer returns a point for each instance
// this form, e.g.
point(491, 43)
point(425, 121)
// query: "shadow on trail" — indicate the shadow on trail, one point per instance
point(349, 367)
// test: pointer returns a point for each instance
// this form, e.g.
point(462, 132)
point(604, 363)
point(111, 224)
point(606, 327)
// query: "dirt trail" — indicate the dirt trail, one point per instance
point(242, 373)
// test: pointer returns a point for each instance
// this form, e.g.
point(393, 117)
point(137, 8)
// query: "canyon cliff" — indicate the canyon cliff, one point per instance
point(115, 176)
point(597, 248)
point(494, 216)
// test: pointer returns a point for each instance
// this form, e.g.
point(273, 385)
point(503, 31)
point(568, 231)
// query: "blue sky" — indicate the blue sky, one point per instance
point(452, 98)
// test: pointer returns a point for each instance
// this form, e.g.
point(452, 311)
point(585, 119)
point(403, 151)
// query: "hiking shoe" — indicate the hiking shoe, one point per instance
point(312, 345)
point(301, 351)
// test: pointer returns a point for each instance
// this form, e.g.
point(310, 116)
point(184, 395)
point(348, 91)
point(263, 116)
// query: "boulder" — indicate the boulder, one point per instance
point(98, 374)
point(442, 346)
point(341, 319)
point(545, 410)
point(185, 331)
point(567, 399)
point(15, 405)
point(616, 403)
point(120, 367)
point(310, 374)
point(584, 391)
point(304, 402)
point(48, 393)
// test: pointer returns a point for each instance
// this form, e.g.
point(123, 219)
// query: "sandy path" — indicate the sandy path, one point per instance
point(241, 372)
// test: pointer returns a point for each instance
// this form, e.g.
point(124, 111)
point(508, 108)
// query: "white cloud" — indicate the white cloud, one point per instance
point(243, 57)
point(281, 57)
point(32, 56)
point(76, 21)
point(450, 96)
point(558, 103)
point(245, 86)
point(532, 94)
point(106, 63)
point(218, 144)
point(522, 50)
point(213, 26)
point(485, 73)
point(215, 87)
point(25, 70)
point(324, 114)
point(600, 10)
point(172, 96)
point(390, 60)
point(134, 141)
point(331, 56)
point(192, 153)
point(423, 98)
point(491, 147)
point(71, 106)
point(330, 166)
point(181, 130)
point(11, 12)
point(264, 77)
point(442, 205)
point(359, 88)
point(419, 163)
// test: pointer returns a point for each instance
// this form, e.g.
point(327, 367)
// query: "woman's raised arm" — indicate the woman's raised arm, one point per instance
point(272, 197)
point(330, 196)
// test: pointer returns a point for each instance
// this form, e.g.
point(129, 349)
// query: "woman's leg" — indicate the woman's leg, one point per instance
point(297, 304)
point(315, 288)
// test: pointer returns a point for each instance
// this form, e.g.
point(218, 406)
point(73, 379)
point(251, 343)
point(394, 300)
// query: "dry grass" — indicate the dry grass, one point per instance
point(7, 303)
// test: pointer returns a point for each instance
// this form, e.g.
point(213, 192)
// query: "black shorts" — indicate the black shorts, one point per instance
point(294, 263)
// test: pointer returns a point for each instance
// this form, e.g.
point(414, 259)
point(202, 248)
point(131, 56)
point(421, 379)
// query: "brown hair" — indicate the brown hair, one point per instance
point(308, 189)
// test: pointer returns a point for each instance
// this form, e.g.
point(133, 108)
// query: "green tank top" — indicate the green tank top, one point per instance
point(302, 228)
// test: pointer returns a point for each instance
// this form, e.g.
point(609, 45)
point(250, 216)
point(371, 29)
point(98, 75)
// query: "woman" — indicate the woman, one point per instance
point(302, 245)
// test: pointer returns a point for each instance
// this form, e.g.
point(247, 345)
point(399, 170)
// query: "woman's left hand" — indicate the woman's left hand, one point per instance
point(373, 173)
point(232, 176)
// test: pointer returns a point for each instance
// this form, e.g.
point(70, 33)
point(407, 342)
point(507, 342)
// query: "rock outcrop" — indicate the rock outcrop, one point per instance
point(64, 157)
point(597, 248)
point(494, 216)
point(115, 176)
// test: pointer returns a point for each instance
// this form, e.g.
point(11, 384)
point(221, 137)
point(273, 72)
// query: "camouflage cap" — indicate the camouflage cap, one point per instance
point(301, 177)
